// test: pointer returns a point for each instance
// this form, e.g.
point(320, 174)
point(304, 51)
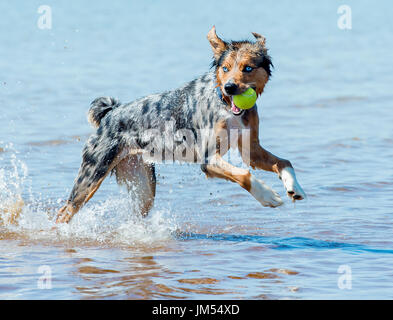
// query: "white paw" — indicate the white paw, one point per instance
point(264, 194)
point(294, 190)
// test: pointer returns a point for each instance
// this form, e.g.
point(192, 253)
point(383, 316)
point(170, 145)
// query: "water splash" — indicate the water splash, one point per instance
point(13, 176)
point(114, 221)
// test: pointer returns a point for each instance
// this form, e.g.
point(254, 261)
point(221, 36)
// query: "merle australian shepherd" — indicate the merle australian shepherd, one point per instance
point(132, 137)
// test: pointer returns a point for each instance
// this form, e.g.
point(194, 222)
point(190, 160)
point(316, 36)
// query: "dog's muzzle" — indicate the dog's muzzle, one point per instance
point(235, 110)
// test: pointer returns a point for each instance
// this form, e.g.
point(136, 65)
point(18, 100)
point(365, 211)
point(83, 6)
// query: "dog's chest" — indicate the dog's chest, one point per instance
point(237, 123)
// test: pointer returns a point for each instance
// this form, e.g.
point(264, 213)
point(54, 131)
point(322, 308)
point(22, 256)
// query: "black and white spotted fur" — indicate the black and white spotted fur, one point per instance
point(194, 106)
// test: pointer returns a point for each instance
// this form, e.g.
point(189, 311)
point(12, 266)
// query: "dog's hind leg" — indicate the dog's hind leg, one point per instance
point(140, 180)
point(100, 156)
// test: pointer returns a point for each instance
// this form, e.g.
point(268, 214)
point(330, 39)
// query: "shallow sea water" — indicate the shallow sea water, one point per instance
point(327, 108)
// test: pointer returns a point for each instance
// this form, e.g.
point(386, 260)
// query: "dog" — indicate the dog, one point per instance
point(125, 132)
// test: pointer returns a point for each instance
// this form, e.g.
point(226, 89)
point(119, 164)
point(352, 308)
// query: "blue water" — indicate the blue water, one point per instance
point(327, 108)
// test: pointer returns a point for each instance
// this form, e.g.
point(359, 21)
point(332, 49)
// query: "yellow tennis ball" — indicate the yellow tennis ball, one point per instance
point(246, 100)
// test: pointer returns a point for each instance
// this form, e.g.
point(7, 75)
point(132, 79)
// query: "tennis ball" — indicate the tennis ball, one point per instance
point(246, 100)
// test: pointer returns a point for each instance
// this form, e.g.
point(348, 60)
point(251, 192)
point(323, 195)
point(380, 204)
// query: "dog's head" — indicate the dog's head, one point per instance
point(240, 65)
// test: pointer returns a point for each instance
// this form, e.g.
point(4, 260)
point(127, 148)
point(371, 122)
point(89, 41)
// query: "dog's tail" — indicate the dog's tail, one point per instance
point(99, 108)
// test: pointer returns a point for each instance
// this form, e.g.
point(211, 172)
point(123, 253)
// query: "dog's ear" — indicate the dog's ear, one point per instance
point(260, 39)
point(218, 45)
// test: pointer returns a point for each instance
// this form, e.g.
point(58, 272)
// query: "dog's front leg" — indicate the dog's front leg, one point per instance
point(292, 186)
point(218, 168)
point(258, 157)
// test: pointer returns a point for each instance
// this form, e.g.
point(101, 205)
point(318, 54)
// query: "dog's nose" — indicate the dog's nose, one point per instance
point(230, 87)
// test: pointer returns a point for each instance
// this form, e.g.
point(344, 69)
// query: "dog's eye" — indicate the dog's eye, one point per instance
point(248, 69)
point(225, 69)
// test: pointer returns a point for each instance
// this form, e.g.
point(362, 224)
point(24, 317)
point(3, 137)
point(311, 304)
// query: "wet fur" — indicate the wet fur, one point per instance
point(121, 128)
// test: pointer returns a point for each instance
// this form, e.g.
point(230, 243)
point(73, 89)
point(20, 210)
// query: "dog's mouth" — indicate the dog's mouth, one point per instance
point(235, 110)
